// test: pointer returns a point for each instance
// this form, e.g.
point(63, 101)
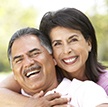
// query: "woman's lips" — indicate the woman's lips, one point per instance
point(70, 60)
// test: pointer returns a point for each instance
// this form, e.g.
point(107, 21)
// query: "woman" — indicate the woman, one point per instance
point(74, 45)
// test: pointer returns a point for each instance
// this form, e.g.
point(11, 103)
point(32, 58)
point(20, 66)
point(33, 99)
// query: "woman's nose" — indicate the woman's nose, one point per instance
point(67, 49)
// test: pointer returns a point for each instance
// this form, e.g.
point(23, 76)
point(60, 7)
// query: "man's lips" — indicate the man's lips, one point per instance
point(32, 71)
point(70, 60)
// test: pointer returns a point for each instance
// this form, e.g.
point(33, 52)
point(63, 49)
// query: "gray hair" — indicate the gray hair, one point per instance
point(45, 42)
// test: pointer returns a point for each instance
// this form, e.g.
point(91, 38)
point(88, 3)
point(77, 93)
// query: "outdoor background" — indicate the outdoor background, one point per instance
point(15, 14)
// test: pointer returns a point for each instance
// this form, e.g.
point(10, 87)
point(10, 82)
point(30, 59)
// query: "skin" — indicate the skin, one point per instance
point(70, 50)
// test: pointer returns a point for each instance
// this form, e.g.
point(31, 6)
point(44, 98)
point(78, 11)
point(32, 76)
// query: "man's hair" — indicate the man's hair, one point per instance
point(45, 42)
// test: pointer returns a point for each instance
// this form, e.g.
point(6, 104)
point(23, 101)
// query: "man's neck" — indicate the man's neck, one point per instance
point(51, 86)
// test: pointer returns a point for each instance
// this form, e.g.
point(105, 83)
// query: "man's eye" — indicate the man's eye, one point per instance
point(18, 61)
point(34, 54)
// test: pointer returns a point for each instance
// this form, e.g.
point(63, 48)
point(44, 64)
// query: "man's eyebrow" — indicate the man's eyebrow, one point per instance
point(19, 56)
point(16, 57)
point(35, 49)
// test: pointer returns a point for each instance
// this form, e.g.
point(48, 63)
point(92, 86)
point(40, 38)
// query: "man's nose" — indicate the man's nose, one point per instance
point(28, 61)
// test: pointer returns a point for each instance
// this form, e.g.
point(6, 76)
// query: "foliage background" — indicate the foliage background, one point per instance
point(14, 16)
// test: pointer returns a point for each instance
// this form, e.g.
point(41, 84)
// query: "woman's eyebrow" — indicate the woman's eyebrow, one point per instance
point(73, 36)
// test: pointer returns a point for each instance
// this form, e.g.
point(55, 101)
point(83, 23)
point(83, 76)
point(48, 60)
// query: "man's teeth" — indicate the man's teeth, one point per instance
point(69, 60)
point(31, 73)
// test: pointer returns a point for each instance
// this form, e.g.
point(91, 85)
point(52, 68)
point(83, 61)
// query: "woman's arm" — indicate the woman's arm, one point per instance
point(9, 93)
point(10, 96)
point(10, 83)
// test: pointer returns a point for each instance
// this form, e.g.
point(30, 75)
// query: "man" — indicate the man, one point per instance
point(34, 69)
point(33, 66)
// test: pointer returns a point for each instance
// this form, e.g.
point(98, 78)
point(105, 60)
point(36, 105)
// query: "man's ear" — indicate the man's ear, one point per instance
point(15, 77)
point(14, 74)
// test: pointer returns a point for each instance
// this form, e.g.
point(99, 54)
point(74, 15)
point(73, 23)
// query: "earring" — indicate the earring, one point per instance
point(90, 49)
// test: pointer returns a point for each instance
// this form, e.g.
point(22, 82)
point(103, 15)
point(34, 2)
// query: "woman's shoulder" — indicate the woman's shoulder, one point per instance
point(103, 80)
point(104, 75)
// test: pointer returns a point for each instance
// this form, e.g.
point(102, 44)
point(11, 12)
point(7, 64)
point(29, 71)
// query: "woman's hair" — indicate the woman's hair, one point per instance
point(75, 19)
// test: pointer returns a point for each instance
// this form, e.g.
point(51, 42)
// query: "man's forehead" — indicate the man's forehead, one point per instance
point(26, 44)
point(28, 40)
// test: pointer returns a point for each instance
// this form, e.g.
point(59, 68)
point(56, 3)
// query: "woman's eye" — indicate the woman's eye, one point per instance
point(74, 40)
point(56, 44)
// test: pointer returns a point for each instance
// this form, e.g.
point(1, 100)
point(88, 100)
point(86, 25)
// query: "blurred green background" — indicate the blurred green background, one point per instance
point(14, 15)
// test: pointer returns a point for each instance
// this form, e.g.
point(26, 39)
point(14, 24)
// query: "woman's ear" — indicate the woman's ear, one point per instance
point(89, 45)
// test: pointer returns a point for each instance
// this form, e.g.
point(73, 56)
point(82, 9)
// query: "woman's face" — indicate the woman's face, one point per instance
point(70, 49)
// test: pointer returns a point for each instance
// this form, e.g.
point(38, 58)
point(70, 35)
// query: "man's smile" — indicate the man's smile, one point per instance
point(35, 69)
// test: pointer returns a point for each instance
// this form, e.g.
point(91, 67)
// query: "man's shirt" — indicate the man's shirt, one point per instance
point(82, 93)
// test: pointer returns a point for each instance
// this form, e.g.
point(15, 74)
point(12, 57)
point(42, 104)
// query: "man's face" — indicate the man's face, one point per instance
point(33, 66)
